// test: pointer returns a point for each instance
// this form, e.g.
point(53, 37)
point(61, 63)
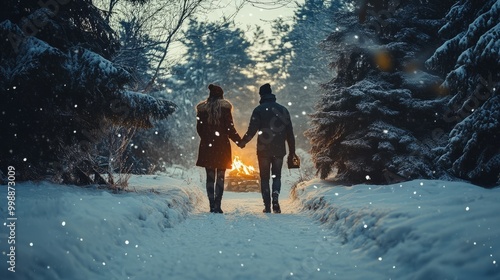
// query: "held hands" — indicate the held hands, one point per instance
point(293, 161)
point(241, 144)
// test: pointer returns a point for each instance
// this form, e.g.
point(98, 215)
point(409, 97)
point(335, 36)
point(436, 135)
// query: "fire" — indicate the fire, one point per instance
point(239, 168)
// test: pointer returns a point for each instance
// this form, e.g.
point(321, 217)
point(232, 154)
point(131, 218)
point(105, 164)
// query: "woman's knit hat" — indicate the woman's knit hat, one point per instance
point(215, 91)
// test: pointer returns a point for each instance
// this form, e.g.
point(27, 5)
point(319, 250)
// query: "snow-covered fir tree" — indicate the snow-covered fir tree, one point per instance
point(470, 61)
point(60, 94)
point(376, 118)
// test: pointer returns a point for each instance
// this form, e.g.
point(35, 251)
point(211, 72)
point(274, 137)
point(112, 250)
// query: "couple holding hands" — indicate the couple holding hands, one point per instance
point(270, 120)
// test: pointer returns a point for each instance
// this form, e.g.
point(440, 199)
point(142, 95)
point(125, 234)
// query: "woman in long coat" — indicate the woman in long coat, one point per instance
point(215, 127)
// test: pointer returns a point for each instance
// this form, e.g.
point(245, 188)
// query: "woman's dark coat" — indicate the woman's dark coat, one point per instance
point(215, 149)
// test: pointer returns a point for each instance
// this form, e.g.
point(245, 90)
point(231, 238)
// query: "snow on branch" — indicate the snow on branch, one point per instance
point(136, 109)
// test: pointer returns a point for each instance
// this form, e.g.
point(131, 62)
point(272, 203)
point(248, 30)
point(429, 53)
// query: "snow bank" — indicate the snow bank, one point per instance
point(65, 232)
point(415, 230)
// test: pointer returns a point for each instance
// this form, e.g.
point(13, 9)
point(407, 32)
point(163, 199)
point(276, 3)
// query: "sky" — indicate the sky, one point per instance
point(262, 13)
point(250, 14)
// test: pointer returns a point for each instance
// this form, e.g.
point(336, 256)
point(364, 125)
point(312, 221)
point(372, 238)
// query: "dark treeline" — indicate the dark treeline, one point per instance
point(63, 101)
point(379, 91)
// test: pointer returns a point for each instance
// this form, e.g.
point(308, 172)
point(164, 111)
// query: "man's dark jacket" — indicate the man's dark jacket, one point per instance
point(273, 124)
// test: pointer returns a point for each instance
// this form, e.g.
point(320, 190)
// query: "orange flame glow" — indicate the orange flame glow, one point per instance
point(239, 168)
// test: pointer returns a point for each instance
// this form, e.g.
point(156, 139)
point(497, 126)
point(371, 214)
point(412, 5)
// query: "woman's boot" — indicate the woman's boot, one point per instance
point(217, 205)
point(211, 197)
point(211, 201)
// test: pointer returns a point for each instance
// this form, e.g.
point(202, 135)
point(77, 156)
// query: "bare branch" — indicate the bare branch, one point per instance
point(270, 4)
point(188, 8)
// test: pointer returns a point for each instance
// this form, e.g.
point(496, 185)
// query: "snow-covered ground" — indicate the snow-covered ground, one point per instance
point(414, 230)
point(161, 230)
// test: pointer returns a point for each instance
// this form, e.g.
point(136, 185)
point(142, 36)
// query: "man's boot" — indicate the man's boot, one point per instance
point(276, 205)
point(267, 208)
point(266, 197)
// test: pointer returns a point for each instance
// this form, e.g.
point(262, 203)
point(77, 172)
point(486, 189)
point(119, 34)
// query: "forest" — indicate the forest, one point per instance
point(382, 91)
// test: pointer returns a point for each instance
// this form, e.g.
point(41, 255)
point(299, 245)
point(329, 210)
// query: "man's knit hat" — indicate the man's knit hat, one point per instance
point(265, 89)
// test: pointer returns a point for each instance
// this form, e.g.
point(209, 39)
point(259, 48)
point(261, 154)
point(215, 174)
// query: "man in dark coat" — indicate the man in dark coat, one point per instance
point(215, 127)
point(273, 124)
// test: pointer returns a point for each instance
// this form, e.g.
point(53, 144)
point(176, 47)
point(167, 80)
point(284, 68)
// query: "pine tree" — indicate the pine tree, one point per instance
point(470, 61)
point(374, 119)
point(60, 93)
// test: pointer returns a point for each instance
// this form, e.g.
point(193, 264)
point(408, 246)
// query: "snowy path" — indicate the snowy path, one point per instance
point(94, 234)
point(245, 243)
point(416, 230)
